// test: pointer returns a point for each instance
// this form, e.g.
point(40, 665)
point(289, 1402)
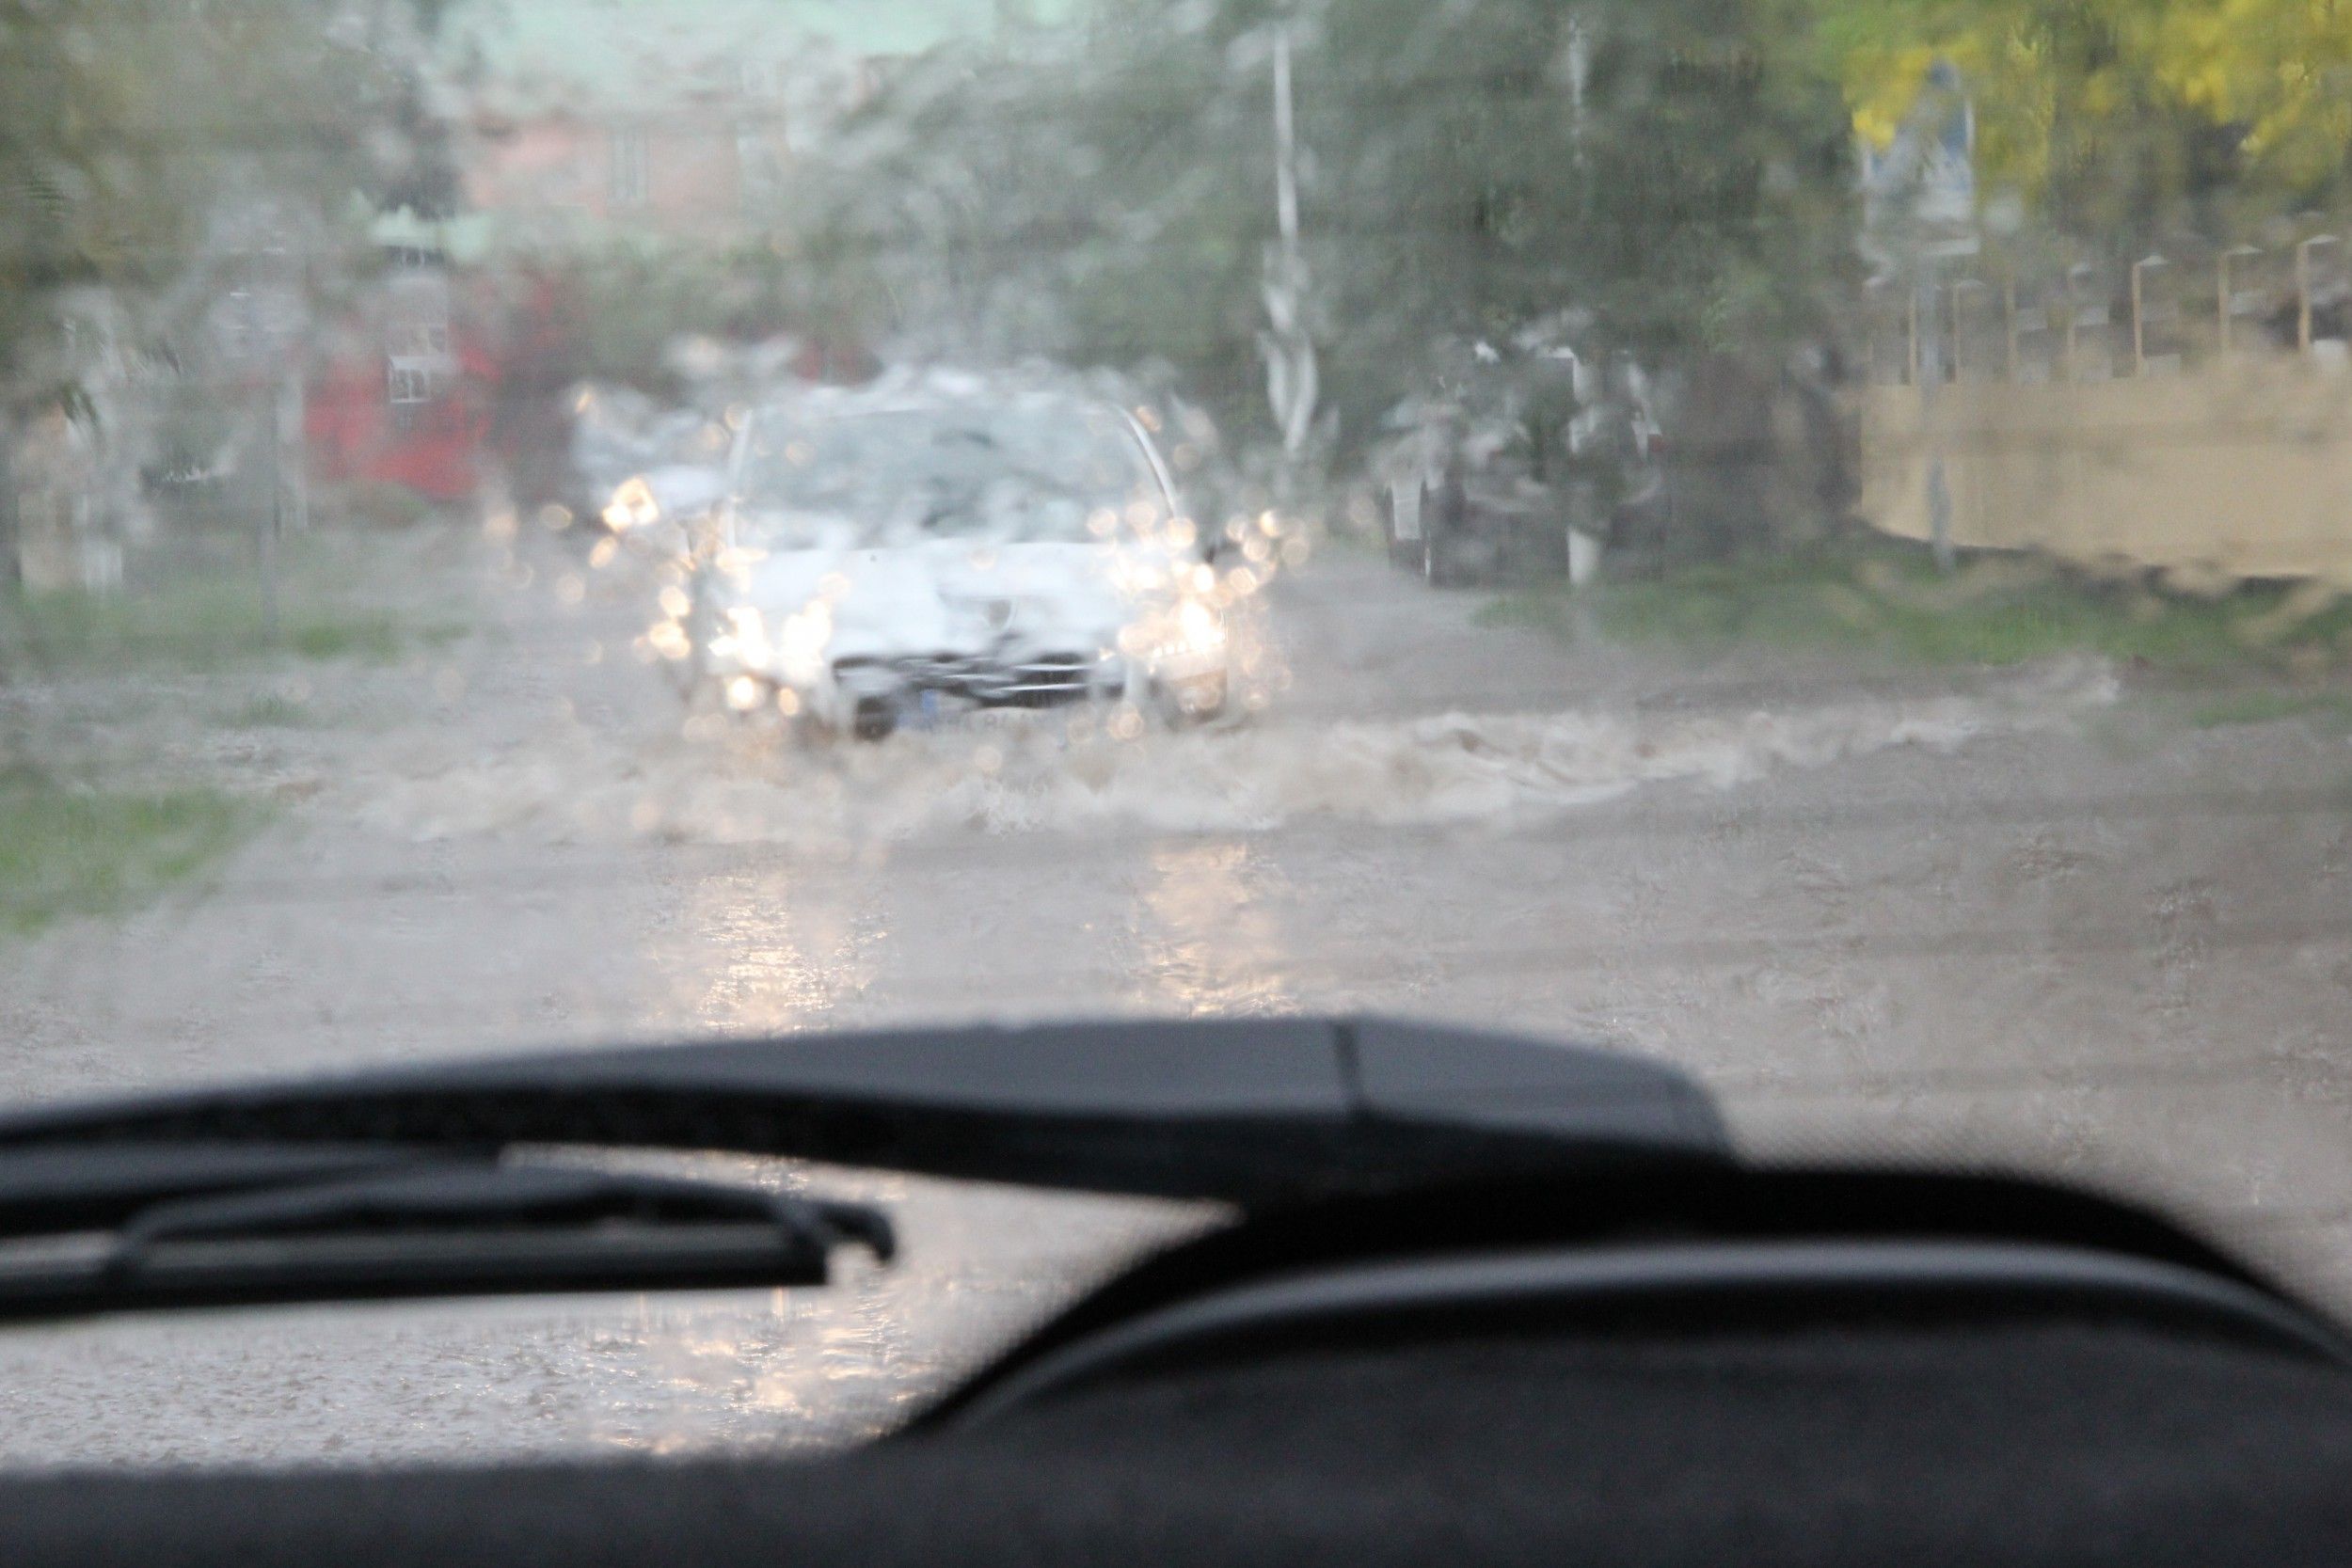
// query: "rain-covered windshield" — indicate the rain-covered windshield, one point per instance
point(1052, 472)
point(1804, 539)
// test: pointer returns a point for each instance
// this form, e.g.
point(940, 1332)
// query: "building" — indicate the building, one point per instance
point(583, 120)
point(578, 125)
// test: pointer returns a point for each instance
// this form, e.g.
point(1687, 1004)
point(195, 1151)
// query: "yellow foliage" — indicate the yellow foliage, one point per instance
point(2281, 70)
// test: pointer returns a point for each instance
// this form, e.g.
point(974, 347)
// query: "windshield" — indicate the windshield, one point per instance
point(1803, 539)
point(1041, 473)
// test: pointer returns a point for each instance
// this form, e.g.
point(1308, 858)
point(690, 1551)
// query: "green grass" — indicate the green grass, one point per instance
point(1893, 604)
point(72, 851)
point(2330, 711)
point(372, 637)
point(269, 711)
point(202, 626)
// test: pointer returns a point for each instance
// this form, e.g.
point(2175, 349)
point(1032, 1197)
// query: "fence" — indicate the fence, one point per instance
point(2194, 419)
point(118, 545)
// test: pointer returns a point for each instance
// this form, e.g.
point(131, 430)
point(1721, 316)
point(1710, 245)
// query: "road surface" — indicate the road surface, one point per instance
point(2014, 917)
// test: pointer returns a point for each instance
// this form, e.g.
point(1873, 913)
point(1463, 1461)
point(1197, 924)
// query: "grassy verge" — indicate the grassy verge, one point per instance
point(269, 711)
point(196, 626)
point(1893, 604)
point(70, 851)
point(198, 604)
point(2330, 712)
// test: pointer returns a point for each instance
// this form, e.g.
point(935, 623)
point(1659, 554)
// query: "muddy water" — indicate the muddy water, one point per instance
point(1052, 773)
point(2017, 918)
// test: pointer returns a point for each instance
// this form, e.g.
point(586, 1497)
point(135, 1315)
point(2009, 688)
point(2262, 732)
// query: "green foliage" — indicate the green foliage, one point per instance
point(2124, 122)
point(74, 851)
point(140, 138)
point(1672, 169)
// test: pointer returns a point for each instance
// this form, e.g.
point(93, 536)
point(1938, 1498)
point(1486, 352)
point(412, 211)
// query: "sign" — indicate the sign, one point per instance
point(1919, 192)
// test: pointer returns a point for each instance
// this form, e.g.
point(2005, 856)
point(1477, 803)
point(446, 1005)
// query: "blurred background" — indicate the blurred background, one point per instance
point(1803, 537)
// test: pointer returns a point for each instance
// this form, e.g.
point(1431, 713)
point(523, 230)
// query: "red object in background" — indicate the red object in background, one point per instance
point(375, 417)
point(431, 443)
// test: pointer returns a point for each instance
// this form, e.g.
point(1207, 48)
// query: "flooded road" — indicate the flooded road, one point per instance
point(2014, 917)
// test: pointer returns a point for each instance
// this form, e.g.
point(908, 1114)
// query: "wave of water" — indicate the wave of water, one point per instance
point(1048, 774)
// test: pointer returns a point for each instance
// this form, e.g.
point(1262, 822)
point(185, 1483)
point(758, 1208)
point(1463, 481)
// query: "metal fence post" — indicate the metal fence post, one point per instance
point(2071, 370)
point(2008, 324)
point(2303, 288)
point(2222, 310)
point(2139, 318)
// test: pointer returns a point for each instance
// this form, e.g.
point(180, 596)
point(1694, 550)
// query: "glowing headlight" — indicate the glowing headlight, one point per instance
point(634, 506)
point(749, 634)
point(800, 643)
point(1188, 633)
point(1199, 627)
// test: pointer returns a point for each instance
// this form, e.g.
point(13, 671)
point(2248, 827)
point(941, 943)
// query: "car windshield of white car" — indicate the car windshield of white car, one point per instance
point(1053, 473)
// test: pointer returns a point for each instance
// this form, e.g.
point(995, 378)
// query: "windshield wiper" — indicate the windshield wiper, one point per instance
point(401, 1183)
point(1251, 1112)
point(425, 1229)
point(76, 1186)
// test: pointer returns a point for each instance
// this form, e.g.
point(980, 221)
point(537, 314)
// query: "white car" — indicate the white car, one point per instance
point(882, 564)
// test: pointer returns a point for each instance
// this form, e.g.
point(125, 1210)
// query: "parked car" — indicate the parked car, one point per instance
point(1522, 465)
point(881, 561)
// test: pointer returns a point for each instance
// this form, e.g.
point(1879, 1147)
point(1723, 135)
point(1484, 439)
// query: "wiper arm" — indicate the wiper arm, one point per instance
point(444, 1229)
point(1252, 1112)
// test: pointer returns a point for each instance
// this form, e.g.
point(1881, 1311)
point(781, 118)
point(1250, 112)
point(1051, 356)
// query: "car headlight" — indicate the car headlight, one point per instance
point(1188, 633)
point(801, 641)
point(634, 506)
point(746, 638)
point(1198, 628)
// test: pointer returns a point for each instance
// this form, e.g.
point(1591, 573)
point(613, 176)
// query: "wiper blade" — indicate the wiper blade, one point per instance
point(98, 1186)
point(438, 1230)
point(1243, 1111)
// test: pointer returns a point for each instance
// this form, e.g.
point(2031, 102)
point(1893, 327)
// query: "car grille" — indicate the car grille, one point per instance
point(1038, 681)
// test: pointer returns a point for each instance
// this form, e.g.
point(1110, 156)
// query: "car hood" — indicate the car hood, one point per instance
point(959, 596)
point(685, 489)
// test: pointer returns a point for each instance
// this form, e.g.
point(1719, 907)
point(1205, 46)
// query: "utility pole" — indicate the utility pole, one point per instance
point(1931, 358)
point(1289, 351)
point(1920, 211)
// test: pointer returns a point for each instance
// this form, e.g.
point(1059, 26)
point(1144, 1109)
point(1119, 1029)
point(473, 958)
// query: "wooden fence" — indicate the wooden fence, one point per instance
point(2193, 420)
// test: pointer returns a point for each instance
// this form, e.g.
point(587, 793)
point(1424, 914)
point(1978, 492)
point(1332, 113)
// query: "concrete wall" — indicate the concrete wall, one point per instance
point(2239, 467)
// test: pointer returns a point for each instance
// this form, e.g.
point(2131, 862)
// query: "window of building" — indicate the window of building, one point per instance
point(411, 385)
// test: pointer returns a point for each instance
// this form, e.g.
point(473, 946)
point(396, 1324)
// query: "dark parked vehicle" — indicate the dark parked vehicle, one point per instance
point(1520, 467)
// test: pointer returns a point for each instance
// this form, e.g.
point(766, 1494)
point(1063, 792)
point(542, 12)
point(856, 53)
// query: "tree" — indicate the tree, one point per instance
point(1673, 172)
point(151, 148)
point(2121, 123)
